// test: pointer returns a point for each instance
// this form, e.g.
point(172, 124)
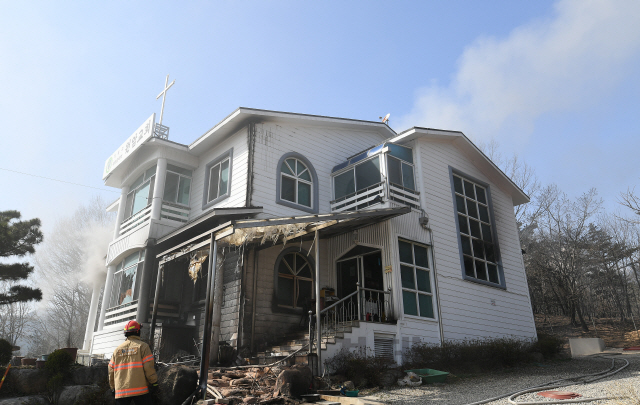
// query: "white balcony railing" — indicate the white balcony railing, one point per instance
point(174, 212)
point(376, 194)
point(136, 221)
point(404, 195)
point(360, 199)
point(121, 313)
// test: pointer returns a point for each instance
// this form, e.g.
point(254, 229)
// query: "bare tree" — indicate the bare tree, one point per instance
point(62, 266)
point(558, 252)
point(523, 175)
point(14, 318)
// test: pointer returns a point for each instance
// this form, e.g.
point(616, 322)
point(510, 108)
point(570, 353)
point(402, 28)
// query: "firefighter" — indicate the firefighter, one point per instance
point(132, 374)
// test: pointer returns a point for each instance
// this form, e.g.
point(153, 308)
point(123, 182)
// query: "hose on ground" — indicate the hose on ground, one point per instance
point(560, 383)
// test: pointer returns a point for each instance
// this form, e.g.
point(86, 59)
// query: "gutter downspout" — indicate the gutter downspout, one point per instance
point(206, 333)
point(417, 147)
point(251, 141)
point(435, 280)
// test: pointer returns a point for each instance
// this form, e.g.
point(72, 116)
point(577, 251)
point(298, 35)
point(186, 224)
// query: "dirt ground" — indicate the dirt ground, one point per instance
point(612, 331)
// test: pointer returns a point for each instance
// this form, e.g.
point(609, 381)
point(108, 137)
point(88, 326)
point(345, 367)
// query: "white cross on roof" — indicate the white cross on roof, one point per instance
point(163, 93)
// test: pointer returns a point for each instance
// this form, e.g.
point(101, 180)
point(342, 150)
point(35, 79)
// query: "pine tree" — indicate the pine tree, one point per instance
point(18, 238)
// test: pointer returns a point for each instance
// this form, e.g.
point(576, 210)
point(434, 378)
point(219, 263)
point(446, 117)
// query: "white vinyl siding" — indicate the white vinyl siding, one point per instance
point(238, 180)
point(324, 147)
point(468, 309)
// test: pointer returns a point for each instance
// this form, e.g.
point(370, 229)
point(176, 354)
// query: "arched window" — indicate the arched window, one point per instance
point(297, 183)
point(294, 279)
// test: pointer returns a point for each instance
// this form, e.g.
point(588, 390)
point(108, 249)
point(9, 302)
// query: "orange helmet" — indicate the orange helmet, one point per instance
point(132, 326)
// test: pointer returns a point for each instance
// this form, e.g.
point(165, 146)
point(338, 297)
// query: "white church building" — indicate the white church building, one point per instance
point(395, 238)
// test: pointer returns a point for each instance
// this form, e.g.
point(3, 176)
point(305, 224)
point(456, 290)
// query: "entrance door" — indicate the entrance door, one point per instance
point(348, 276)
point(364, 268)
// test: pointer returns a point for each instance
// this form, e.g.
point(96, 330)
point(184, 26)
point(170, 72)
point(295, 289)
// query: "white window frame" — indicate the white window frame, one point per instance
point(415, 185)
point(297, 179)
point(180, 177)
point(131, 193)
point(115, 289)
point(219, 169)
point(382, 163)
point(415, 290)
point(217, 163)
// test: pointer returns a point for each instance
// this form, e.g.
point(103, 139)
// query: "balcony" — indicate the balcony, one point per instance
point(174, 212)
point(378, 193)
point(136, 221)
point(121, 313)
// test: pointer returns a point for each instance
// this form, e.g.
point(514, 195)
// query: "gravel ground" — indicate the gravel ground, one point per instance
point(460, 391)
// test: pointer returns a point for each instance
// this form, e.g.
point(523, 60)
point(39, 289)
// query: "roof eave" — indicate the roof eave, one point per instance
point(243, 115)
point(518, 196)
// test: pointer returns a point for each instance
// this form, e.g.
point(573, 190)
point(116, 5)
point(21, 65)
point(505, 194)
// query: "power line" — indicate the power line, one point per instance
point(61, 181)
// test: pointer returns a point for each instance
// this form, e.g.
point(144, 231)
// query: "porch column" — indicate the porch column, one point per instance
point(158, 188)
point(318, 321)
point(208, 307)
point(142, 314)
point(121, 211)
point(88, 334)
point(108, 285)
point(217, 312)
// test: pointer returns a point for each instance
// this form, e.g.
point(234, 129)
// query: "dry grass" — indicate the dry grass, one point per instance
point(612, 331)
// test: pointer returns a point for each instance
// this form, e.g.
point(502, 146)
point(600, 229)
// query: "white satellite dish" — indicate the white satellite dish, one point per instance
point(386, 118)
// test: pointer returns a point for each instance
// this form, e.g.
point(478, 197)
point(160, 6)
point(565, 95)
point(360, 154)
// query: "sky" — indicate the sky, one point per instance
point(553, 81)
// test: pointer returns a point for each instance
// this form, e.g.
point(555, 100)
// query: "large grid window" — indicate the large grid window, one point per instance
point(417, 294)
point(177, 186)
point(296, 184)
point(476, 236)
point(294, 280)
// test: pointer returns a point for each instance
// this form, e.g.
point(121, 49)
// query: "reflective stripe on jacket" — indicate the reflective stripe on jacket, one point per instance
point(131, 368)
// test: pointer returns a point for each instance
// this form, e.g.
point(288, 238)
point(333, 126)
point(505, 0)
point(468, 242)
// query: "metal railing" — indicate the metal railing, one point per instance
point(136, 220)
point(376, 194)
point(161, 131)
point(404, 195)
point(174, 212)
point(371, 195)
point(364, 304)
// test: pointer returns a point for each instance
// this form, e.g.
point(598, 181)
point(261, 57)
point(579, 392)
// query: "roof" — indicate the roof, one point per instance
point(243, 115)
point(478, 158)
point(257, 231)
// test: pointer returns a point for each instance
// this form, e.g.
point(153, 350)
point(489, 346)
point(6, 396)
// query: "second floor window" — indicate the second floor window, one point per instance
point(295, 183)
point(358, 177)
point(219, 180)
point(140, 193)
point(479, 256)
point(124, 287)
point(400, 166)
point(177, 185)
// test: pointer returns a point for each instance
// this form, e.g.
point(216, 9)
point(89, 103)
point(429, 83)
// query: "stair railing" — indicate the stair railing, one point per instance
point(339, 316)
point(375, 305)
point(364, 304)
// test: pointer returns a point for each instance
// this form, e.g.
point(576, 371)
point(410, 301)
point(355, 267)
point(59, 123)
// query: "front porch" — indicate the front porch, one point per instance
point(272, 274)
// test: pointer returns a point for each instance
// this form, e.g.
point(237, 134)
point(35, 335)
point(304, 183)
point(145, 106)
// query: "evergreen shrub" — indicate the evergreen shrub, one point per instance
point(5, 352)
